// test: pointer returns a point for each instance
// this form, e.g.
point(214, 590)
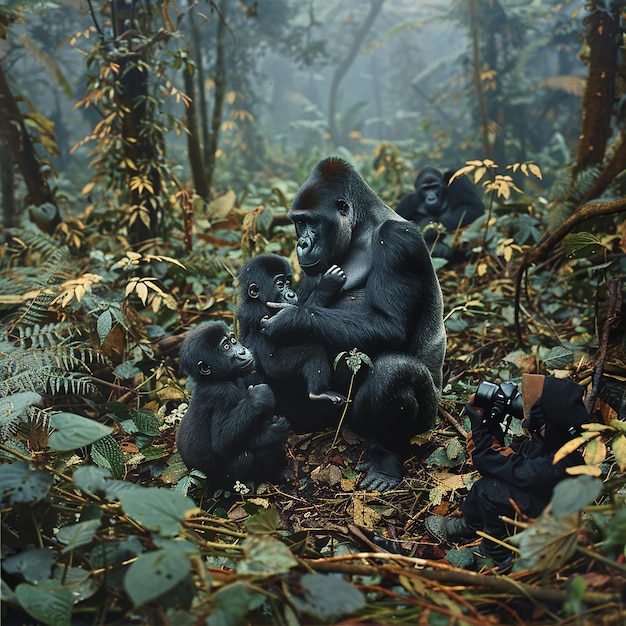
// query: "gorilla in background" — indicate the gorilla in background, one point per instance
point(452, 205)
point(230, 431)
point(267, 278)
point(389, 308)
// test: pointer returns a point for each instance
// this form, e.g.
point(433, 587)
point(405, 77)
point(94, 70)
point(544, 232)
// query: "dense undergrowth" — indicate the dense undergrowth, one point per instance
point(103, 524)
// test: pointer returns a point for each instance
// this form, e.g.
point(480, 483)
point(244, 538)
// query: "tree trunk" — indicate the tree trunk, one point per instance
point(16, 135)
point(140, 152)
point(604, 39)
point(220, 94)
point(344, 66)
point(194, 147)
point(6, 183)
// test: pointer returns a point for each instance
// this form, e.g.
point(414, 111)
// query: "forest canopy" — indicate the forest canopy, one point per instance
point(147, 150)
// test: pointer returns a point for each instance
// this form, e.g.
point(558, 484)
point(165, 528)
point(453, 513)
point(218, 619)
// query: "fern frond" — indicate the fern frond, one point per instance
point(36, 241)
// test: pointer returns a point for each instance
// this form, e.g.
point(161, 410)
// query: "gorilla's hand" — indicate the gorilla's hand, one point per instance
point(269, 324)
point(261, 397)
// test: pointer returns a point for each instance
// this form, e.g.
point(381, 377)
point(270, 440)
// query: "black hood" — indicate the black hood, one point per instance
point(561, 409)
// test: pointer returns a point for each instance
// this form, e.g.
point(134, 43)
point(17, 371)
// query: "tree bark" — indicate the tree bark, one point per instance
point(22, 148)
point(220, 94)
point(194, 147)
point(603, 39)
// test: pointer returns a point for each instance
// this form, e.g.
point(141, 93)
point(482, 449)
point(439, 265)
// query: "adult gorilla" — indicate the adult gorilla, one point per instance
point(390, 308)
point(452, 204)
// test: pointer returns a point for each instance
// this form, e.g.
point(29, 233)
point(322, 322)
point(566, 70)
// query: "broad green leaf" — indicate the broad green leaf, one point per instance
point(104, 325)
point(46, 602)
point(73, 431)
point(11, 407)
point(265, 555)
point(157, 508)
point(233, 603)
point(263, 521)
point(618, 445)
point(106, 452)
point(548, 543)
point(572, 494)
point(33, 565)
point(77, 535)
point(327, 597)
point(615, 540)
point(582, 244)
point(20, 483)
point(155, 573)
point(92, 479)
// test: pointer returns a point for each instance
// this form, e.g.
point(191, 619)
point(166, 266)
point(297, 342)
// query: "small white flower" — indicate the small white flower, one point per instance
point(241, 488)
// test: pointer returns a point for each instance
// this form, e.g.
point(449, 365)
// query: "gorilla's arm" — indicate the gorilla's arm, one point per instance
point(408, 205)
point(232, 427)
point(401, 287)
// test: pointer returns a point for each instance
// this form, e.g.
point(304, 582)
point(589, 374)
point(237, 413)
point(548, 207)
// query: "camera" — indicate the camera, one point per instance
point(499, 400)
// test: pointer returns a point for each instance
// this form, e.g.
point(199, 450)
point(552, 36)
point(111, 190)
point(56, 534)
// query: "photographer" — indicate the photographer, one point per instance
point(519, 478)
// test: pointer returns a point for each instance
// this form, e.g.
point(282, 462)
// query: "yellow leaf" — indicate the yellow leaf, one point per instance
point(568, 448)
point(142, 292)
point(231, 96)
point(524, 169)
point(481, 269)
point(595, 452)
point(587, 470)
point(596, 428)
point(535, 170)
point(87, 188)
point(478, 174)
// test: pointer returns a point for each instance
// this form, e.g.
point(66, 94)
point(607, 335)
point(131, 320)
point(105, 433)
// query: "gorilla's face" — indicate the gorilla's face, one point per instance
point(324, 233)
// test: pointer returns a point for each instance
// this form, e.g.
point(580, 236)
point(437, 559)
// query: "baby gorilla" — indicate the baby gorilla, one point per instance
point(229, 431)
point(265, 280)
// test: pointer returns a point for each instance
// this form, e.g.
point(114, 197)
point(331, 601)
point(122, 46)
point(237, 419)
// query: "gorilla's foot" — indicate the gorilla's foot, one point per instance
point(383, 468)
point(332, 396)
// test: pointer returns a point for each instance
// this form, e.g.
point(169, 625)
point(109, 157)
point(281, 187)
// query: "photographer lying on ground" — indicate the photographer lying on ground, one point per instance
point(517, 478)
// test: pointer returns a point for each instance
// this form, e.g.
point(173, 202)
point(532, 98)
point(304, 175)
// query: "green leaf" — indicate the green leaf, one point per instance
point(104, 325)
point(548, 543)
point(79, 534)
point(73, 431)
point(462, 557)
point(582, 244)
point(92, 479)
point(572, 494)
point(615, 542)
point(46, 602)
point(265, 555)
point(155, 573)
point(157, 508)
point(20, 483)
point(328, 596)
point(106, 452)
point(146, 421)
point(33, 565)
point(232, 605)
point(263, 521)
point(12, 407)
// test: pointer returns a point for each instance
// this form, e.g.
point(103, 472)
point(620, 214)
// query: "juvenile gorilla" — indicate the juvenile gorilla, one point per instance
point(229, 431)
point(389, 308)
point(453, 205)
point(267, 278)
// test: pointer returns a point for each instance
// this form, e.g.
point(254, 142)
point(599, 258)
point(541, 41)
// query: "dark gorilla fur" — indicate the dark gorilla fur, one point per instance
point(453, 205)
point(390, 308)
point(230, 431)
point(267, 278)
